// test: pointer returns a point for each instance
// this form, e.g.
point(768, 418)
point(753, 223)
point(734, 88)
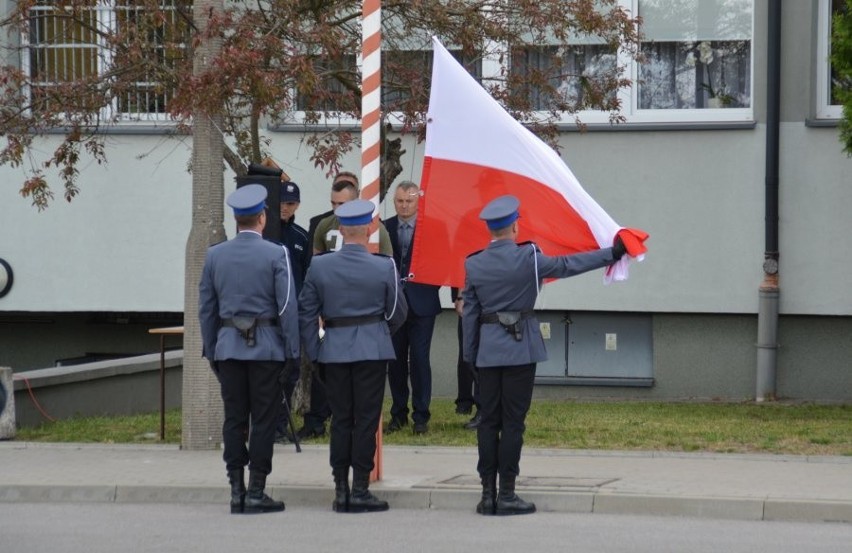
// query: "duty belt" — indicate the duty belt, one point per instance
point(509, 320)
point(352, 321)
point(246, 326)
point(259, 322)
point(494, 318)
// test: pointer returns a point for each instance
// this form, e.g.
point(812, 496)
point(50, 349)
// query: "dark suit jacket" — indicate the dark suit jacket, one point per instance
point(423, 300)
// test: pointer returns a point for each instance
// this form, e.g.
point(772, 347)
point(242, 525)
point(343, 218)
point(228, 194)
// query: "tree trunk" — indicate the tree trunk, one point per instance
point(202, 400)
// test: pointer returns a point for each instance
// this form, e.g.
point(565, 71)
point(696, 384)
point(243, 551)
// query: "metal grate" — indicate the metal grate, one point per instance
point(67, 45)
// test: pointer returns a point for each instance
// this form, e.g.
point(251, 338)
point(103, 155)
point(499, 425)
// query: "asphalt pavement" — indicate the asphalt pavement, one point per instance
point(719, 486)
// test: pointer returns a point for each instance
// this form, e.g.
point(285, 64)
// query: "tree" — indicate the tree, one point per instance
point(281, 56)
point(841, 65)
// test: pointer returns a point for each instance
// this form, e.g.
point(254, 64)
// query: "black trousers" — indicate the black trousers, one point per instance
point(355, 393)
point(319, 411)
point(505, 394)
point(251, 392)
point(412, 344)
point(468, 385)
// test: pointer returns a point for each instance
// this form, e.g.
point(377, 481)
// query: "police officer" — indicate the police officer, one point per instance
point(250, 330)
point(361, 303)
point(503, 341)
point(295, 239)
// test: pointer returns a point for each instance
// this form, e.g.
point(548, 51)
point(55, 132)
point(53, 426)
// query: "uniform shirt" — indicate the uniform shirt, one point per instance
point(351, 283)
point(327, 237)
point(248, 276)
point(506, 277)
point(295, 239)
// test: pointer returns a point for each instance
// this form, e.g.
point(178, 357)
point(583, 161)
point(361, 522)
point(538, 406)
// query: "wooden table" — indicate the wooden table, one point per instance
point(163, 332)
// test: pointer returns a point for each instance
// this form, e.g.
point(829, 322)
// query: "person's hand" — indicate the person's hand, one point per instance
point(459, 305)
point(618, 248)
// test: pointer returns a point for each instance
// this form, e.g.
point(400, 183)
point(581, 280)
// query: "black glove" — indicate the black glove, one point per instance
point(618, 249)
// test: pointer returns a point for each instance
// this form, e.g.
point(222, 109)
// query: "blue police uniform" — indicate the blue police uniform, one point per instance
point(295, 239)
point(502, 282)
point(361, 303)
point(249, 329)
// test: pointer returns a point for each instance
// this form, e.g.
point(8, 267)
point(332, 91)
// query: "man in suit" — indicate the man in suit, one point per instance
point(355, 349)
point(503, 340)
point(413, 342)
point(250, 330)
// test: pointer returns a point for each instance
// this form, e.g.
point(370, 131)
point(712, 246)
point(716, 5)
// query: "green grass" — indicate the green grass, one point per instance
point(799, 429)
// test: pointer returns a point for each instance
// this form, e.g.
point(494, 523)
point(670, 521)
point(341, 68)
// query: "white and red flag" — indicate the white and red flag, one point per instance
point(475, 152)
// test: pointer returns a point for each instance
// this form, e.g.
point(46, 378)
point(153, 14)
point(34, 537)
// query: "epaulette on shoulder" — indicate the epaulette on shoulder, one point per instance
point(474, 253)
point(322, 253)
point(528, 243)
point(382, 255)
point(216, 244)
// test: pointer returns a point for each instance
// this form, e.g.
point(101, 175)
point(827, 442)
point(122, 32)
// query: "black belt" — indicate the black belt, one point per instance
point(259, 322)
point(493, 318)
point(352, 321)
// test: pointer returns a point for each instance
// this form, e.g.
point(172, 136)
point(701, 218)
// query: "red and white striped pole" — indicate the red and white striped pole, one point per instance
point(371, 95)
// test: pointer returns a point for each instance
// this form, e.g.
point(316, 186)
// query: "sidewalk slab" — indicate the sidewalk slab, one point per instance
point(720, 486)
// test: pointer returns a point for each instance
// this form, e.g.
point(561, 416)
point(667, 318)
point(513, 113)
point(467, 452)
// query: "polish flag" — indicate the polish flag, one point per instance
point(475, 152)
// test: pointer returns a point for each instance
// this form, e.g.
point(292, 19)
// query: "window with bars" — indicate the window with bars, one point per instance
point(85, 45)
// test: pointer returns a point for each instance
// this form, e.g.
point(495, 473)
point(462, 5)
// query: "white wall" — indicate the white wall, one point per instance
point(119, 246)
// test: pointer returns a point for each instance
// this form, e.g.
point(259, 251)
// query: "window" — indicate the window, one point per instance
point(827, 104)
point(67, 46)
point(698, 55)
point(403, 72)
point(697, 67)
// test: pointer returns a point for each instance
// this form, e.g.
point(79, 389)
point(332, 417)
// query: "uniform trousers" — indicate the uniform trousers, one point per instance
point(412, 344)
point(505, 394)
point(355, 394)
point(468, 386)
point(251, 393)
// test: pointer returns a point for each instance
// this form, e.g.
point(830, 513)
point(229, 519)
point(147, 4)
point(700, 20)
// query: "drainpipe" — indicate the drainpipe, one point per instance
point(767, 315)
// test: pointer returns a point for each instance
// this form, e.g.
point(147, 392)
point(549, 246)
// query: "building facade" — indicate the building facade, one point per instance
point(689, 166)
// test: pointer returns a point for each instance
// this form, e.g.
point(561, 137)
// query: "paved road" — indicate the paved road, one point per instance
point(136, 528)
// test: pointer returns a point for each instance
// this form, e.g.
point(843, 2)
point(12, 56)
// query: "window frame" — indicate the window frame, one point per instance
point(491, 69)
point(823, 109)
point(106, 16)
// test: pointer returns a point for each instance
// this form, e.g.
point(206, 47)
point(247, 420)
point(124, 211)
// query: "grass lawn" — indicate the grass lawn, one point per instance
point(798, 429)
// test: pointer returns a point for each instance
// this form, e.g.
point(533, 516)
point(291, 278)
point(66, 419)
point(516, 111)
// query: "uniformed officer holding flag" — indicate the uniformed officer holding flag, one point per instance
point(250, 330)
point(359, 297)
point(503, 341)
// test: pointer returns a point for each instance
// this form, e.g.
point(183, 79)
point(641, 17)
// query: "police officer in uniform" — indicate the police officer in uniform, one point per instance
point(503, 341)
point(250, 330)
point(361, 302)
point(295, 239)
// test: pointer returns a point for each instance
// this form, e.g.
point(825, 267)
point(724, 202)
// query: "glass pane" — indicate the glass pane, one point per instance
point(837, 7)
point(407, 71)
point(558, 77)
point(673, 20)
point(687, 75)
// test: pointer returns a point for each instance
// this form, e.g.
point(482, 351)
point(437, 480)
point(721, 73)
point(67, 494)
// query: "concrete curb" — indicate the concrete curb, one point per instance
point(730, 508)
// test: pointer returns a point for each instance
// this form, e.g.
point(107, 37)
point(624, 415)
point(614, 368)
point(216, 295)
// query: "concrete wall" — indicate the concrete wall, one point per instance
point(118, 387)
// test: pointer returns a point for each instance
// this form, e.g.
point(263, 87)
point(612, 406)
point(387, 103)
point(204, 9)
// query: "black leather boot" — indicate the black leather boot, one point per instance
point(487, 505)
point(238, 490)
point(256, 500)
point(341, 490)
point(361, 500)
point(508, 503)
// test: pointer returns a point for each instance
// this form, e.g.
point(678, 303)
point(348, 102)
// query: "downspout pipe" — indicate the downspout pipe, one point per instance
point(768, 293)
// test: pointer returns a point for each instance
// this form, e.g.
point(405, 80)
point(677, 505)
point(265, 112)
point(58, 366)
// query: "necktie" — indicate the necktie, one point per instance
point(404, 238)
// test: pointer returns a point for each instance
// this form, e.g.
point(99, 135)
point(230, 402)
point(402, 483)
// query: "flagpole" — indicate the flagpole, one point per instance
point(371, 94)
